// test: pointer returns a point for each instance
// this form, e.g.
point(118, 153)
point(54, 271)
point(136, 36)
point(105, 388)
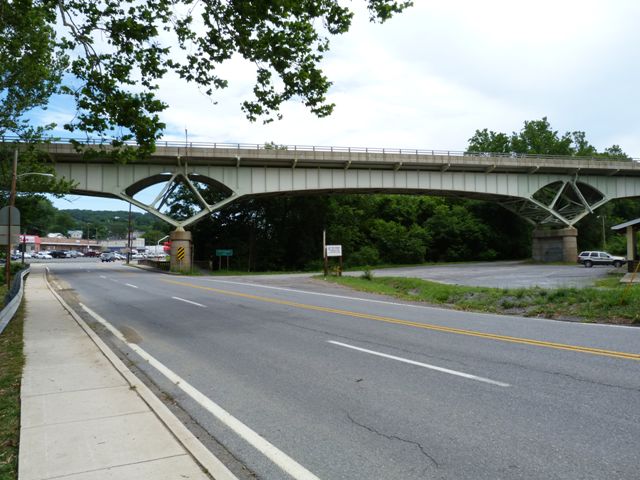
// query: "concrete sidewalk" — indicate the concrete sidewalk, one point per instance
point(85, 416)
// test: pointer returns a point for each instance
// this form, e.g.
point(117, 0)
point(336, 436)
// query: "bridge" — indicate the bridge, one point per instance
point(542, 189)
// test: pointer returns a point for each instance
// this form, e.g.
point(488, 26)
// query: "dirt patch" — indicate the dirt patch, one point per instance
point(131, 335)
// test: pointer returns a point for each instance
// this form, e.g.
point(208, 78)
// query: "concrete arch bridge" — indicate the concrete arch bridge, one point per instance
point(542, 189)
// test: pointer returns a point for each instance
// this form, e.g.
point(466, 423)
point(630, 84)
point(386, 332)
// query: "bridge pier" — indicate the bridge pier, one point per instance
point(556, 245)
point(180, 254)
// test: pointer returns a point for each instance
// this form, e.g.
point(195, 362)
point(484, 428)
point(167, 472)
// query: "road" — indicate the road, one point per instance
point(289, 374)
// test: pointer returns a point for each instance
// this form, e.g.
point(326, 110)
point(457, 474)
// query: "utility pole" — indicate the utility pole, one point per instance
point(12, 201)
point(129, 238)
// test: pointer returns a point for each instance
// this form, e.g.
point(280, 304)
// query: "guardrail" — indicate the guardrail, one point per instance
point(319, 148)
point(13, 298)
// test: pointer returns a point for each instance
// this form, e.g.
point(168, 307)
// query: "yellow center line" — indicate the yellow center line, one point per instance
point(425, 326)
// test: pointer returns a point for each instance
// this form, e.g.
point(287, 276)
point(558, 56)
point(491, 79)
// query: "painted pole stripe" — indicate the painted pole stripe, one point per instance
point(424, 365)
point(281, 459)
point(425, 326)
point(180, 254)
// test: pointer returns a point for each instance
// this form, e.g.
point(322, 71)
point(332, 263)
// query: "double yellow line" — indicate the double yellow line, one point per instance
point(424, 326)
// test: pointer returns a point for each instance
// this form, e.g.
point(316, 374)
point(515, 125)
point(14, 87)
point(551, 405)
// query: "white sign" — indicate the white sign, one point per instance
point(334, 250)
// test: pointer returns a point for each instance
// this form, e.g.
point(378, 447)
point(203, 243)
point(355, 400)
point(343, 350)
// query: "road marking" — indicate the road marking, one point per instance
point(130, 285)
point(425, 326)
point(320, 294)
point(102, 276)
point(401, 304)
point(424, 365)
point(277, 456)
point(189, 301)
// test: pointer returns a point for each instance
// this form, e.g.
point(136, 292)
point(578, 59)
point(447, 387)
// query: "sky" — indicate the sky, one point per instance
point(432, 76)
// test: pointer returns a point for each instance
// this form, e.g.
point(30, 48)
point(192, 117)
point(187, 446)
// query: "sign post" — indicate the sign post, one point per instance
point(334, 251)
point(223, 252)
point(9, 234)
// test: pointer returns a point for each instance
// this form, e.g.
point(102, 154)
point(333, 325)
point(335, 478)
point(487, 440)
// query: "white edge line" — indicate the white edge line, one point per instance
point(130, 285)
point(189, 301)
point(424, 365)
point(410, 305)
point(281, 459)
point(188, 440)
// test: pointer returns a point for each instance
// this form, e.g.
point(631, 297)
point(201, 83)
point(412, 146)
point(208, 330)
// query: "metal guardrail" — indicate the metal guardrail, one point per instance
point(13, 298)
point(329, 149)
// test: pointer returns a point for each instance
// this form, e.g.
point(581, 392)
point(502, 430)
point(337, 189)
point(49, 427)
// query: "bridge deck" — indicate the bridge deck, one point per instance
point(363, 158)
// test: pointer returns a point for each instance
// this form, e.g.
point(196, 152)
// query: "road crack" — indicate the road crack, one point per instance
point(394, 437)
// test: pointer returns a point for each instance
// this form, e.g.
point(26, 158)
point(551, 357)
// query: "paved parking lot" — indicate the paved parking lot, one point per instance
point(505, 274)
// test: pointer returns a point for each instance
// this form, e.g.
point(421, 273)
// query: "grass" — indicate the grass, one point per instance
point(11, 362)
point(607, 302)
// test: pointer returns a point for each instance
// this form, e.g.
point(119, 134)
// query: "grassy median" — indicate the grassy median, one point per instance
point(608, 302)
point(11, 363)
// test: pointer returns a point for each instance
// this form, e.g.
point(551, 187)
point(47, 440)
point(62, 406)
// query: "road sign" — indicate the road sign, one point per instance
point(15, 234)
point(180, 254)
point(224, 253)
point(4, 216)
point(334, 250)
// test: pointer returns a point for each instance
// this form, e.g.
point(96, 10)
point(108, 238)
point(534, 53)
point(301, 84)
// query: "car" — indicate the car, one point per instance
point(108, 257)
point(58, 254)
point(591, 258)
point(42, 255)
point(92, 253)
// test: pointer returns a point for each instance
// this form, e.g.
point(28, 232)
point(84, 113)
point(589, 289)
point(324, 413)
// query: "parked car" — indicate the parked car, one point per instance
point(591, 258)
point(42, 255)
point(108, 257)
point(92, 253)
point(58, 254)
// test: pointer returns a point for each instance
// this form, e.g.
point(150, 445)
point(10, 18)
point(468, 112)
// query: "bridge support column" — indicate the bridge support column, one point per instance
point(557, 245)
point(180, 253)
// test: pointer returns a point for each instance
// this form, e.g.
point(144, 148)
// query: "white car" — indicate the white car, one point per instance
point(42, 255)
point(590, 258)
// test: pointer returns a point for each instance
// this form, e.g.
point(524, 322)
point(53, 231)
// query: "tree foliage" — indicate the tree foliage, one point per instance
point(538, 138)
point(31, 63)
point(119, 51)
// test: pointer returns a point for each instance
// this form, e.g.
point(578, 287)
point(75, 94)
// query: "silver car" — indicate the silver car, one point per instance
point(591, 258)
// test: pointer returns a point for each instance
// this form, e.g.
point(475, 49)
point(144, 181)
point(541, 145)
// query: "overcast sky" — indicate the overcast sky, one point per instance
point(430, 77)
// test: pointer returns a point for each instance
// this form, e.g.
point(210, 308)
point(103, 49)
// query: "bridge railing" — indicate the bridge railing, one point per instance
point(329, 149)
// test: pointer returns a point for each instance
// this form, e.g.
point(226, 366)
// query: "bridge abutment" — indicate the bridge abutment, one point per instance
point(180, 254)
point(556, 245)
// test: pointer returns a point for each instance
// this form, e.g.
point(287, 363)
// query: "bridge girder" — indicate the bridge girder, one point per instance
point(539, 198)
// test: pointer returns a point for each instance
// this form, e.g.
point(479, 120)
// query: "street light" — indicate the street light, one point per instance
point(12, 202)
point(158, 244)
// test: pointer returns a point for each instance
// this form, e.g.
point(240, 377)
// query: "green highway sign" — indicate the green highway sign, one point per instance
point(224, 253)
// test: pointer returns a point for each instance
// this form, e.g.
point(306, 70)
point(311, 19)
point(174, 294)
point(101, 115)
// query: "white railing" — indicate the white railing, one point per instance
point(320, 149)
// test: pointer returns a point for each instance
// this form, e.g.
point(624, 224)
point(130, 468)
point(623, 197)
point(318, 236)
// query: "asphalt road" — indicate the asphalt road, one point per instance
point(351, 386)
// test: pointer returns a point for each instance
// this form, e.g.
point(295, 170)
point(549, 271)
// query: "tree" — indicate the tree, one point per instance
point(121, 49)
point(538, 138)
point(31, 63)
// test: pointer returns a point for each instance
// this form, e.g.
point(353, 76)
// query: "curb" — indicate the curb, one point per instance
point(209, 462)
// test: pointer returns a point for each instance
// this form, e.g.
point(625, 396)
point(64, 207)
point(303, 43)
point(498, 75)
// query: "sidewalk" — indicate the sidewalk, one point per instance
point(85, 416)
